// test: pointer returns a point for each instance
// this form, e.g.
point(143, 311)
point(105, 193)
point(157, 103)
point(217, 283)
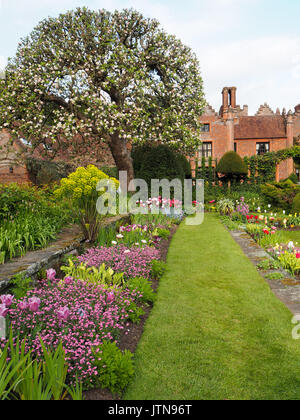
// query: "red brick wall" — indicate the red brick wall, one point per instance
point(219, 138)
point(19, 175)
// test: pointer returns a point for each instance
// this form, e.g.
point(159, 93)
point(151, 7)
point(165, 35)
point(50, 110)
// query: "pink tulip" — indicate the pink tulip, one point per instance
point(7, 300)
point(51, 274)
point(34, 304)
point(69, 280)
point(63, 313)
point(3, 310)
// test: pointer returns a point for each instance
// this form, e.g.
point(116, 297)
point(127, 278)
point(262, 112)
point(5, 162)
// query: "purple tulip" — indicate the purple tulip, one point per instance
point(63, 313)
point(34, 304)
point(110, 297)
point(51, 274)
point(7, 300)
point(3, 310)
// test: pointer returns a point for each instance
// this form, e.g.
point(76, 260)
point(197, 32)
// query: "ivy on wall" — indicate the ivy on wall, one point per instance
point(263, 168)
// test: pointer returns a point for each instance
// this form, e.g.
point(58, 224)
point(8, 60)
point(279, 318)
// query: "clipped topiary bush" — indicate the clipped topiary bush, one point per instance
point(296, 204)
point(232, 167)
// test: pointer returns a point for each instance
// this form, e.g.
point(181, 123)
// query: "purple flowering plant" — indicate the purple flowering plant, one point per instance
point(77, 314)
point(133, 262)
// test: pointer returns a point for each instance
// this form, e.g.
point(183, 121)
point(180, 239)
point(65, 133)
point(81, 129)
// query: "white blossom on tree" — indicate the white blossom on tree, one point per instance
point(102, 77)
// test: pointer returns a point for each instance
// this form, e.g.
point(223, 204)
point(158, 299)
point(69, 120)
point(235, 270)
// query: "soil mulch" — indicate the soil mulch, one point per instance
point(130, 340)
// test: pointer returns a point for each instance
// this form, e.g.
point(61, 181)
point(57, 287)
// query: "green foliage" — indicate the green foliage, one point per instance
point(136, 313)
point(230, 224)
point(44, 172)
point(290, 262)
point(93, 275)
point(28, 231)
point(296, 204)
point(232, 166)
point(154, 219)
point(225, 207)
point(294, 178)
point(21, 285)
point(15, 198)
point(265, 165)
point(29, 219)
point(111, 171)
point(268, 264)
point(162, 233)
point(159, 162)
point(114, 367)
point(271, 240)
point(280, 194)
point(144, 286)
point(274, 276)
point(12, 371)
point(81, 188)
point(255, 230)
point(158, 269)
point(26, 379)
point(106, 236)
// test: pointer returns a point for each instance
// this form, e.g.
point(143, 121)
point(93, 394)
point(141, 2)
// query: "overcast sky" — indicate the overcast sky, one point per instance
point(251, 44)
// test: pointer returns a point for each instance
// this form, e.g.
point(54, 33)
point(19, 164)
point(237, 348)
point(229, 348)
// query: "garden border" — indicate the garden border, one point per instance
point(288, 294)
point(69, 241)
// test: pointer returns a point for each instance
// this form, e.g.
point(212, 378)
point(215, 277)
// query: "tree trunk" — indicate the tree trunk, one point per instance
point(121, 155)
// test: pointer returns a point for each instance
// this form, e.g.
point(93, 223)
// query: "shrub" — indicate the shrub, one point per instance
point(114, 367)
point(225, 207)
point(15, 199)
point(296, 204)
point(293, 177)
point(80, 188)
point(43, 172)
point(280, 194)
point(232, 166)
point(159, 162)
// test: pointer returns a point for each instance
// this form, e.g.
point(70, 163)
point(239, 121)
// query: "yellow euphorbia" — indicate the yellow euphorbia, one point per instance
point(81, 188)
point(82, 184)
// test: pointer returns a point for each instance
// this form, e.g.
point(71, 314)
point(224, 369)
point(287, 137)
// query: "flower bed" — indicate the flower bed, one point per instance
point(78, 314)
point(133, 262)
point(83, 313)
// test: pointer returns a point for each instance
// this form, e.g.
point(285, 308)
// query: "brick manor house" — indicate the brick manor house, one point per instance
point(233, 129)
point(230, 129)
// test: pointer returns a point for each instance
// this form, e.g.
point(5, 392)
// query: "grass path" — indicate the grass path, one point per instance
point(216, 330)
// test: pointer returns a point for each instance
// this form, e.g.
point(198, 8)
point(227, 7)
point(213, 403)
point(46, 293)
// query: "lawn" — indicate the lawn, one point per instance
point(291, 235)
point(216, 330)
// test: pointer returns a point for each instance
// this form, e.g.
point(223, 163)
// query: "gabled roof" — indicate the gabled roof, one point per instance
point(260, 127)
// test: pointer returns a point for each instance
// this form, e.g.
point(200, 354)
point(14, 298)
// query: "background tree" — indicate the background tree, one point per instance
point(159, 161)
point(113, 77)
